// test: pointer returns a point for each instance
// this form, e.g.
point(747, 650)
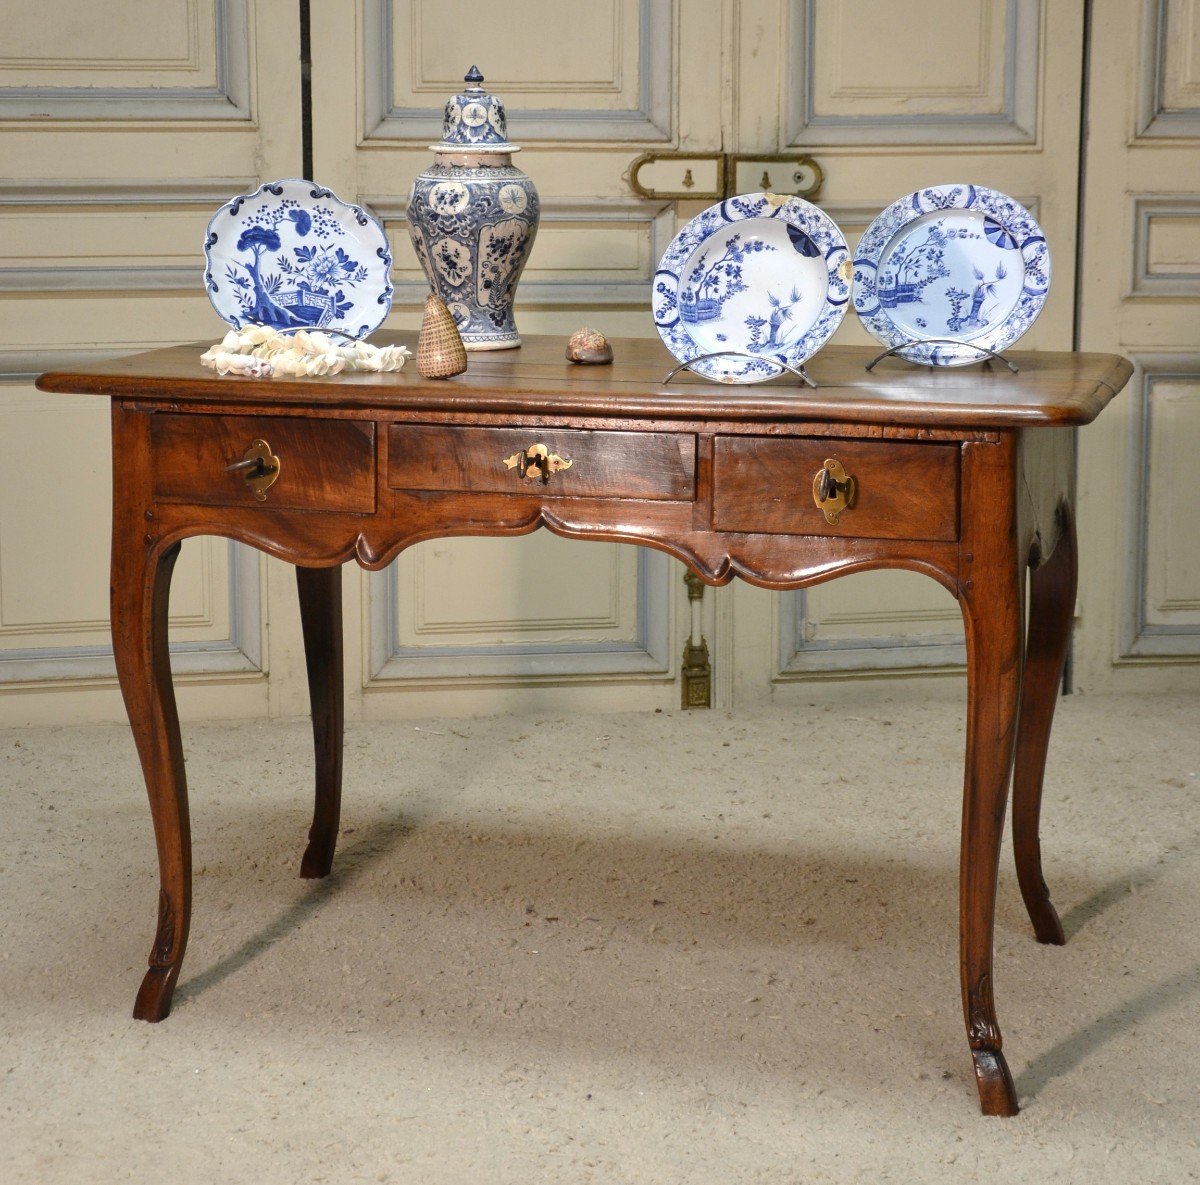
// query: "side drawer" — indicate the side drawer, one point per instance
point(653, 465)
point(323, 464)
point(904, 491)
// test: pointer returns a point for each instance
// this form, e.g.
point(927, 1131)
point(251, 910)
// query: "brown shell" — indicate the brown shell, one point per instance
point(588, 346)
point(440, 351)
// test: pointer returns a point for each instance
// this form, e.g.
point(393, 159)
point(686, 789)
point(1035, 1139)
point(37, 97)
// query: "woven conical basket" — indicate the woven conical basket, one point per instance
point(440, 351)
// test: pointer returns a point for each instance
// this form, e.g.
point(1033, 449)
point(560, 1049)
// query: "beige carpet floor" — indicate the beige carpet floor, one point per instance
point(655, 948)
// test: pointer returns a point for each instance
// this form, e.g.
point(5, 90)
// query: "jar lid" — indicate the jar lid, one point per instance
point(474, 120)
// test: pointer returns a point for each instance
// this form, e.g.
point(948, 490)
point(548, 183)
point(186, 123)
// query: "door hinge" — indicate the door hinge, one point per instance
point(714, 176)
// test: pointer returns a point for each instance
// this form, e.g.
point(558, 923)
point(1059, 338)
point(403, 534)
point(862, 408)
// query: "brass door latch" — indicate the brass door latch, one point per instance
point(259, 468)
point(834, 490)
point(724, 174)
point(537, 462)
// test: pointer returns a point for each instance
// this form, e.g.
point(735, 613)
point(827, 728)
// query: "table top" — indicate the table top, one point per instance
point(1052, 388)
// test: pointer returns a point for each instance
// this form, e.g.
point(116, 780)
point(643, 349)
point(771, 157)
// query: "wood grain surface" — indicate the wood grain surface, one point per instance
point(963, 475)
point(1052, 388)
point(903, 491)
point(323, 466)
point(603, 464)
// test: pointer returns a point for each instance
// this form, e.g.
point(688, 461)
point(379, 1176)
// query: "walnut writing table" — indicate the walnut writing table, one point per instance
point(962, 474)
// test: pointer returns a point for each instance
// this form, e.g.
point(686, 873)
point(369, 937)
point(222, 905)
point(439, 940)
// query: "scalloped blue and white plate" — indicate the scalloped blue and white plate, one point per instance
point(961, 263)
point(764, 277)
point(293, 255)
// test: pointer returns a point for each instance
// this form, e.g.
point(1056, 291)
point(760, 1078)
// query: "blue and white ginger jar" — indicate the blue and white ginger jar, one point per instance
point(473, 216)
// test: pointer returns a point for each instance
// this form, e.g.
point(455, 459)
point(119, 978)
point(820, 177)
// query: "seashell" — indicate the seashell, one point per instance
point(257, 335)
point(391, 358)
point(224, 362)
point(287, 363)
point(589, 347)
point(261, 353)
point(440, 351)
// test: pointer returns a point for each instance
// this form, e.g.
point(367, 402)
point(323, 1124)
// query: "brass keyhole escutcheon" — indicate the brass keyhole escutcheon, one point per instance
point(259, 468)
point(834, 490)
point(537, 462)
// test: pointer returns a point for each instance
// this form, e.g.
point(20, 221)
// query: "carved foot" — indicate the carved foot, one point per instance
point(153, 1001)
point(1046, 925)
point(997, 1094)
point(318, 857)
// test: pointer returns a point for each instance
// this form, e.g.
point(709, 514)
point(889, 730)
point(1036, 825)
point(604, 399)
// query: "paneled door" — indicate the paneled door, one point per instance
point(986, 91)
point(121, 133)
point(980, 90)
point(1139, 623)
point(122, 127)
point(537, 622)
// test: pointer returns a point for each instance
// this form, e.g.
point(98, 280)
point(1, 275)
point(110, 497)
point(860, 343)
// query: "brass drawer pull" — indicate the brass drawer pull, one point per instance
point(834, 490)
point(537, 461)
point(259, 468)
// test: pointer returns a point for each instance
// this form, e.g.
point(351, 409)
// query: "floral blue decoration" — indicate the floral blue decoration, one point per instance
point(474, 120)
point(473, 225)
point(951, 261)
point(731, 280)
point(292, 255)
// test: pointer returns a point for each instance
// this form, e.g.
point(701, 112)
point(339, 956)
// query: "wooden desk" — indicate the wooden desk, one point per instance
point(962, 474)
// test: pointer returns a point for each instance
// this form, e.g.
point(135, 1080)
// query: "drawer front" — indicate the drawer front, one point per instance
point(323, 464)
point(652, 465)
point(902, 491)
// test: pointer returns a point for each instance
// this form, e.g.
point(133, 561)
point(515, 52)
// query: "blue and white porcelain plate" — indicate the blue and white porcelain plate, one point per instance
point(764, 277)
point(960, 263)
point(293, 255)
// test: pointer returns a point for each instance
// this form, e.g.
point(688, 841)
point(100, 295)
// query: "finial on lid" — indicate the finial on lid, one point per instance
point(474, 120)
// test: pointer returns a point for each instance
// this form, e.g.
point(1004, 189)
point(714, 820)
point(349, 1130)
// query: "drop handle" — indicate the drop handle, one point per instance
point(259, 468)
point(834, 490)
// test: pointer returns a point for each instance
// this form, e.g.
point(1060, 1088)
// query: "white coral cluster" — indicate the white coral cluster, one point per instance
point(259, 352)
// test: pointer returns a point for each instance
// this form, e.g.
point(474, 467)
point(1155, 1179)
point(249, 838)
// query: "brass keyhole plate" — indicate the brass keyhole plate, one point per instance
point(834, 490)
point(537, 462)
point(262, 468)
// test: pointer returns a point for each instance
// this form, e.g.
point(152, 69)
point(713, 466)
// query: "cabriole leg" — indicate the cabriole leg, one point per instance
point(993, 619)
point(321, 620)
point(1051, 607)
point(140, 589)
point(991, 593)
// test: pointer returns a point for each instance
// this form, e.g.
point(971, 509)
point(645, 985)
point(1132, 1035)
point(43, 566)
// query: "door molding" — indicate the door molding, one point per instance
point(1016, 123)
point(241, 652)
point(650, 120)
point(1147, 210)
point(227, 99)
point(658, 219)
point(800, 656)
point(650, 655)
point(205, 194)
point(1155, 120)
point(1140, 637)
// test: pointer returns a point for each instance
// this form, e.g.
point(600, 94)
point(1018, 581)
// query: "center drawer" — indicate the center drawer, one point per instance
point(651, 465)
point(902, 490)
